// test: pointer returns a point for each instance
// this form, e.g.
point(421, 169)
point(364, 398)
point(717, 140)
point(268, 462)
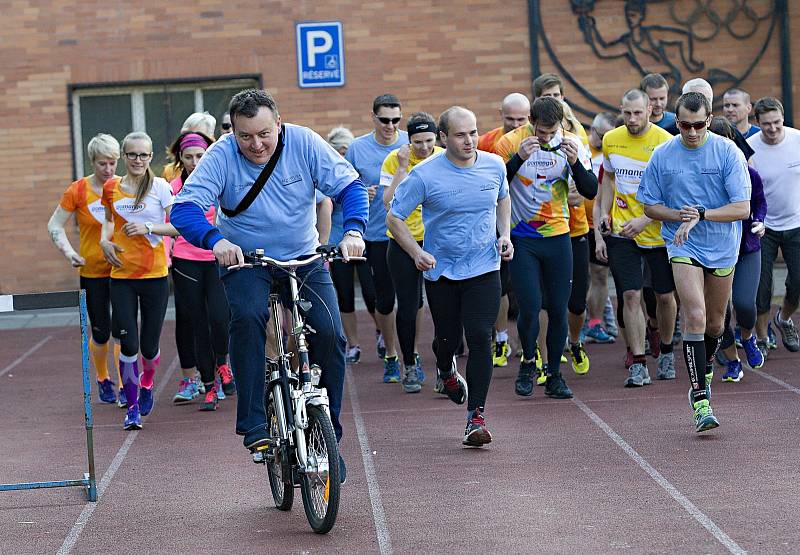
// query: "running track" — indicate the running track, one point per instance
point(614, 470)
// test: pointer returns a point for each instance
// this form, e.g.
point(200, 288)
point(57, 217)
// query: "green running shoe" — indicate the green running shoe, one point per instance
point(704, 418)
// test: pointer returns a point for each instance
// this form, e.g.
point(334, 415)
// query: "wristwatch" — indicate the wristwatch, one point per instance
point(354, 233)
point(149, 227)
point(702, 211)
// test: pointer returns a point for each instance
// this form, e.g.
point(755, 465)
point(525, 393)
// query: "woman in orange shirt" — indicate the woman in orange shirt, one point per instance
point(82, 198)
point(136, 207)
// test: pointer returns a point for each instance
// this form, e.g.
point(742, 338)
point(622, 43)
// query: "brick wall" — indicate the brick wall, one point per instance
point(432, 54)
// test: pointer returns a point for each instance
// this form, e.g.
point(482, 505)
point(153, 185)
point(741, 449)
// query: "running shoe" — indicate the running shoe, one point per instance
point(187, 390)
point(789, 336)
point(737, 336)
point(772, 341)
point(380, 345)
point(580, 360)
point(210, 401)
point(628, 359)
point(502, 351)
point(556, 387)
point(598, 334)
point(353, 355)
point(763, 346)
point(201, 388)
point(734, 372)
point(541, 375)
point(638, 375)
point(755, 359)
point(420, 369)
point(654, 339)
point(439, 387)
point(524, 382)
point(133, 419)
point(666, 366)
point(226, 377)
point(145, 401)
point(476, 434)
point(704, 418)
point(709, 379)
point(122, 401)
point(391, 370)
point(220, 392)
point(410, 381)
point(107, 391)
point(455, 386)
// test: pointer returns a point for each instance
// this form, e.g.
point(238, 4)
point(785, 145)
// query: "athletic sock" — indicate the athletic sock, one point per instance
point(666, 348)
point(100, 359)
point(149, 370)
point(129, 368)
point(502, 336)
point(116, 363)
point(594, 321)
point(712, 344)
point(694, 354)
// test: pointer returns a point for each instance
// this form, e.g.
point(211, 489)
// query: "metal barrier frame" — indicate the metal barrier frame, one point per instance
point(63, 299)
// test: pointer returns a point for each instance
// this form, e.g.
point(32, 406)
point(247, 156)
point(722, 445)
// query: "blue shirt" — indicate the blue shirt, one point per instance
point(337, 224)
point(459, 210)
point(282, 218)
point(752, 131)
point(367, 156)
point(668, 122)
point(713, 175)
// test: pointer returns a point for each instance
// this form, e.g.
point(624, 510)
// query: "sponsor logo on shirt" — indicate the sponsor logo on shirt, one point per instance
point(621, 203)
point(286, 181)
point(630, 172)
point(709, 171)
point(541, 164)
point(125, 207)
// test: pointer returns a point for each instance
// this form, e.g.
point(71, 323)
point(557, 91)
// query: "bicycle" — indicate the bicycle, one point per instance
point(302, 451)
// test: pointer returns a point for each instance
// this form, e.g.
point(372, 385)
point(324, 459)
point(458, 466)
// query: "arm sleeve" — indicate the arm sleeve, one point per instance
point(190, 220)
point(355, 206)
point(758, 202)
point(513, 165)
point(585, 180)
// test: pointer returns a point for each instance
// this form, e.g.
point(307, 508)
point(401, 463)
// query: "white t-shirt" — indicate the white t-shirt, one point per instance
point(779, 168)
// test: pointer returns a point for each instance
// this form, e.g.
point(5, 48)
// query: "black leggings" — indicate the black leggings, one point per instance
point(201, 316)
point(381, 277)
point(407, 280)
point(342, 274)
point(128, 297)
point(471, 306)
point(580, 275)
point(98, 307)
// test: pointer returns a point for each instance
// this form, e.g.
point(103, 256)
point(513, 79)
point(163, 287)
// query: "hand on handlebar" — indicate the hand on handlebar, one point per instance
point(229, 255)
point(351, 246)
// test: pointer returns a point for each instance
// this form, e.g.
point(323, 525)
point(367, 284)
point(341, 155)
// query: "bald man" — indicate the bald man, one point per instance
point(515, 110)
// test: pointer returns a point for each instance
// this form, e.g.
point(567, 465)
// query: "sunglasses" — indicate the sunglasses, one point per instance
point(387, 121)
point(143, 156)
point(696, 125)
point(225, 126)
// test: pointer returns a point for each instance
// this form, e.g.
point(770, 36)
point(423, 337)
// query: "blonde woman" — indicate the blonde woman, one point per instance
point(83, 199)
point(136, 207)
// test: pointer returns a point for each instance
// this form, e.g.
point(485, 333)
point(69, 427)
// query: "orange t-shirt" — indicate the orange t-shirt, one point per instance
point(81, 199)
point(143, 256)
point(488, 140)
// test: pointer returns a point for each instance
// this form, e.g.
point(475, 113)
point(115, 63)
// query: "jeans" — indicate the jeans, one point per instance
point(248, 293)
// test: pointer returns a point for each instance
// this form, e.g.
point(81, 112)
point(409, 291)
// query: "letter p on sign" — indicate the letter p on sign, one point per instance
point(317, 42)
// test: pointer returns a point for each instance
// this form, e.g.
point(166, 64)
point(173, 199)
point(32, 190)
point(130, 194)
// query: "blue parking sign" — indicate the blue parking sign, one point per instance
point(320, 54)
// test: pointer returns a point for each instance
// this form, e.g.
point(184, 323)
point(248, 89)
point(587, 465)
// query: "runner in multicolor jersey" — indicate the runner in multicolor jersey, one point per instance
point(82, 198)
point(698, 185)
point(541, 160)
point(634, 238)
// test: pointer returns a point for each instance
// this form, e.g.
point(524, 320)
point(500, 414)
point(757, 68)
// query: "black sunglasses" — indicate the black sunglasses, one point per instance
point(696, 125)
point(387, 121)
point(225, 126)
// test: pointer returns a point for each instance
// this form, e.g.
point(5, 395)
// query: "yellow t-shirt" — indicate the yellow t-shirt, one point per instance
point(389, 168)
point(578, 218)
point(626, 156)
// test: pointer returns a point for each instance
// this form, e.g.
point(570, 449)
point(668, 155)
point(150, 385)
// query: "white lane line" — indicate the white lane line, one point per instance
point(378, 512)
point(682, 500)
point(25, 355)
point(773, 379)
point(119, 458)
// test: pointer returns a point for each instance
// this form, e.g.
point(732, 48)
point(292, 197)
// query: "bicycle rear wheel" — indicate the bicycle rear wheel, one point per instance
point(282, 493)
point(320, 484)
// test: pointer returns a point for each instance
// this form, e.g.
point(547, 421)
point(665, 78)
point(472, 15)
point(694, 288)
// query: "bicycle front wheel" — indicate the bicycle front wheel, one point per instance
point(320, 484)
point(282, 493)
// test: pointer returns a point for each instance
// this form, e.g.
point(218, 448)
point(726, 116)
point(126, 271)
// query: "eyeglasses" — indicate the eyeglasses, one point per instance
point(143, 156)
point(387, 121)
point(225, 126)
point(696, 125)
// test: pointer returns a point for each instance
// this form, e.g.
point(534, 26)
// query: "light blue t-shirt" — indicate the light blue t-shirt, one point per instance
point(459, 210)
point(367, 156)
point(711, 176)
point(283, 216)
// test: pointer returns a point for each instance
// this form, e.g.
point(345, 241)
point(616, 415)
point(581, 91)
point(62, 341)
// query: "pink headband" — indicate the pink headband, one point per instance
point(193, 139)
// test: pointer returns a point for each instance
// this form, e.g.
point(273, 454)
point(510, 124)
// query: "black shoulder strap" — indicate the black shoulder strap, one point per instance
point(260, 181)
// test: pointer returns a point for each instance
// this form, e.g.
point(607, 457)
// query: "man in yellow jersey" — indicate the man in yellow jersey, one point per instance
point(633, 237)
point(515, 111)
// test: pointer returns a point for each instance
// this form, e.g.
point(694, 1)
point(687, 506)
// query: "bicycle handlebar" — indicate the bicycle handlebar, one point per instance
point(329, 253)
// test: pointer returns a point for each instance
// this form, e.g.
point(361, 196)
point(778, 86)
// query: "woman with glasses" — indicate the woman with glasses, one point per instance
point(83, 198)
point(201, 309)
point(135, 209)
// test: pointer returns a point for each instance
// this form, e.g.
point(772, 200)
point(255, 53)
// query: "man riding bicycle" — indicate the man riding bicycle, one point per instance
point(289, 162)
